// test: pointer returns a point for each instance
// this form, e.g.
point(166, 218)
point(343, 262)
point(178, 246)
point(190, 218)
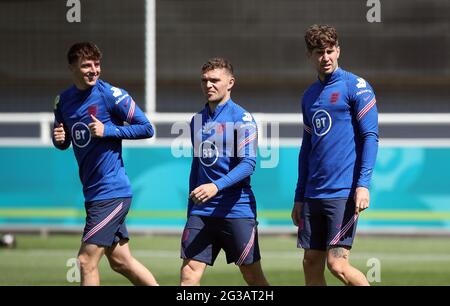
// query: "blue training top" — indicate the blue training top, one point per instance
point(340, 137)
point(225, 144)
point(101, 167)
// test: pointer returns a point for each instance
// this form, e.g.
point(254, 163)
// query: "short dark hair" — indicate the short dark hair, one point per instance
point(321, 37)
point(85, 50)
point(217, 63)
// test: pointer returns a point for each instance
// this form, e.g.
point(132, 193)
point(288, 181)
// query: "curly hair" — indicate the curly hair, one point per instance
point(321, 37)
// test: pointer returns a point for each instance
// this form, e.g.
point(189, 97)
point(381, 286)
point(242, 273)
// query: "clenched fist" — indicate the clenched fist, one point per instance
point(96, 127)
point(59, 134)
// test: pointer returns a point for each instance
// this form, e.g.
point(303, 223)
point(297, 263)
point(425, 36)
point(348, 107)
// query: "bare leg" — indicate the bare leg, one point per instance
point(89, 256)
point(314, 267)
point(121, 261)
point(253, 274)
point(339, 265)
point(191, 272)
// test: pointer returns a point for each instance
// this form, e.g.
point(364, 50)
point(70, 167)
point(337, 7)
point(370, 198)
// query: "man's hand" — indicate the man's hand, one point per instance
point(296, 213)
point(203, 193)
point(97, 127)
point(59, 134)
point(362, 199)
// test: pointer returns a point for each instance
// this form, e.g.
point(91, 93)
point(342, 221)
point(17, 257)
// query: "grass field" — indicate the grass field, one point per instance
point(403, 261)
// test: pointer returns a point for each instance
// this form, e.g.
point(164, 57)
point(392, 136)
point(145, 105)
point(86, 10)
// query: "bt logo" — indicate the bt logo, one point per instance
point(321, 121)
point(208, 153)
point(81, 134)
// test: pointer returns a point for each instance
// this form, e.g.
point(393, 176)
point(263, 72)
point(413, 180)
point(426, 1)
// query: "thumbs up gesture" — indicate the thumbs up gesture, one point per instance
point(59, 134)
point(96, 127)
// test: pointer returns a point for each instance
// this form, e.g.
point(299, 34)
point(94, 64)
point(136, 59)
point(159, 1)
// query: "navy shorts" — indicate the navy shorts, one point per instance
point(204, 237)
point(326, 223)
point(105, 221)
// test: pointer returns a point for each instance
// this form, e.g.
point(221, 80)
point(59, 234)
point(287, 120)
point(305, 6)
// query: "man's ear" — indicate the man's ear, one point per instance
point(231, 83)
point(338, 50)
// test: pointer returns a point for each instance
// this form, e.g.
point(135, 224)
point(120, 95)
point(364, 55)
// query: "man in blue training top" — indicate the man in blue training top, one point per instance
point(222, 207)
point(338, 153)
point(91, 115)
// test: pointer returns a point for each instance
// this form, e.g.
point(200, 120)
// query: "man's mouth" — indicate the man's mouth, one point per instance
point(91, 76)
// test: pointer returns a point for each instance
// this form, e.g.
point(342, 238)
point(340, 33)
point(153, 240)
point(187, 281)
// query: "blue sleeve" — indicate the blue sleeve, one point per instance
point(246, 148)
point(193, 176)
point(303, 160)
point(122, 106)
point(59, 119)
point(366, 118)
point(192, 182)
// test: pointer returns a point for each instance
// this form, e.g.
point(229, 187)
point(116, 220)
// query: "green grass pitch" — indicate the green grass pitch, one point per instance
point(403, 261)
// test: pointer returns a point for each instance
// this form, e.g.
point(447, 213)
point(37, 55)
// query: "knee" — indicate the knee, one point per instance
point(313, 263)
point(188, 276)
point(86, 264)
point(249, 276)
point(336, 267)
point(119, 265)
point(253, 275)
point(254, 279)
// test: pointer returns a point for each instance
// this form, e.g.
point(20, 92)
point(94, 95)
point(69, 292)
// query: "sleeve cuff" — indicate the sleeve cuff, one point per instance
point(363, 183)
point(109, 130)
point(299, 197)
point(220, 184)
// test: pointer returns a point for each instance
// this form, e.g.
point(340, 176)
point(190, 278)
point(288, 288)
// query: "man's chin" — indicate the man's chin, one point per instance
point(91, 83)
point(328, 71)
point(213, 100)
